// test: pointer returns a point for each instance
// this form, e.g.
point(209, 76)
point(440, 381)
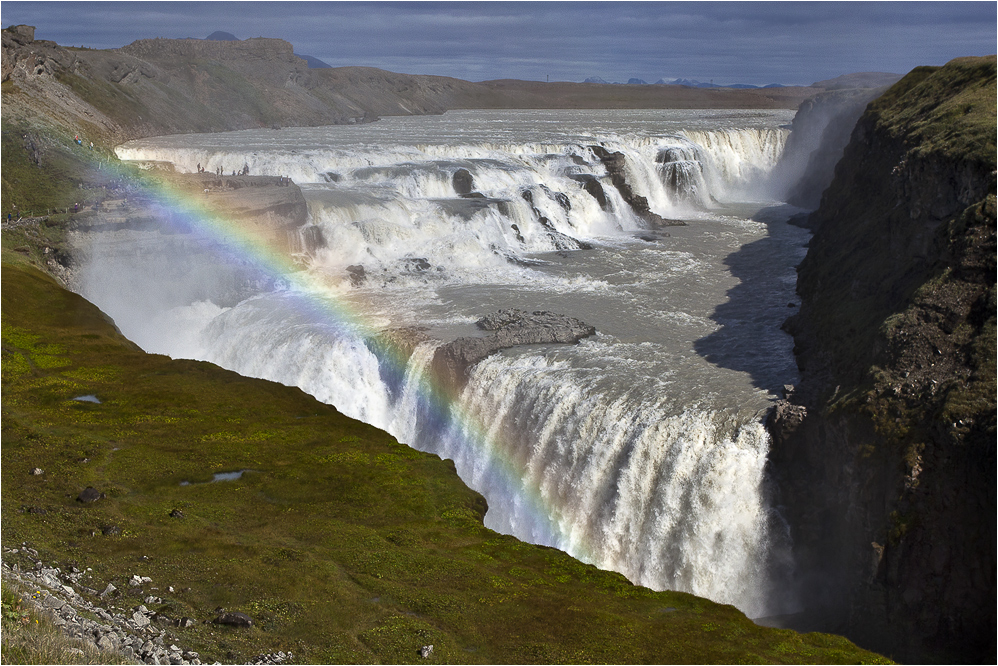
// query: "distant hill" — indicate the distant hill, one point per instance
point(149, 88)
point(314, 63)
point(689, 83)
point(219, 36)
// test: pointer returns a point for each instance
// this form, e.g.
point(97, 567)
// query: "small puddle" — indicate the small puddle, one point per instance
point(87, 398)
point(219, 476)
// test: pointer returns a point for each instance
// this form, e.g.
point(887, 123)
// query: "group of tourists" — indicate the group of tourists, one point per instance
point(79, 141)
point(219, 171)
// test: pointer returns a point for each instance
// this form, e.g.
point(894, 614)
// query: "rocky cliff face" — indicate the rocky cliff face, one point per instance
point(884, 456)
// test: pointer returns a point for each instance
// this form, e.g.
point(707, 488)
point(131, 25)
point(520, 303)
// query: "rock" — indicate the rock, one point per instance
point(186, 622)
point(176, 513)
point(90, 494)
point(511, 328)
point(357, 275)
point(36, 471)
point(783, 420)
point(902, 254)
point(312, 239)
point(53, 602)
point(615, 167)
point(140, 619)
point(110, 589)
point(426, 651)
point(561, 241)
point(416, 264)
point(593, 187)
point(111, 530)
point(234, 619)
point(516, 230)
point(463, 182)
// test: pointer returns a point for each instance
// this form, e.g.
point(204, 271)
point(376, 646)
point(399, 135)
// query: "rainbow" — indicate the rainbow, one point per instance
point(315, 299)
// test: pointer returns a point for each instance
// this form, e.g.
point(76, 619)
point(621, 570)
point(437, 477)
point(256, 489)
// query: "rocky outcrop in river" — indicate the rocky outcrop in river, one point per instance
point(615, 164)
point(510, 328)
point(884, 456)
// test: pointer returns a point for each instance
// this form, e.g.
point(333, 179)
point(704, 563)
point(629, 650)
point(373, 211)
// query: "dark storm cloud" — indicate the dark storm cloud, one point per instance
point(748, 42)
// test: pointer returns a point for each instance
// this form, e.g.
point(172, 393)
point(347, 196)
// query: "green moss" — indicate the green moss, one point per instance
point(934, 119)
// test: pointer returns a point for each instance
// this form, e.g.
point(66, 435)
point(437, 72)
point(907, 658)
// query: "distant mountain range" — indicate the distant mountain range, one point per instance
point(689, 83)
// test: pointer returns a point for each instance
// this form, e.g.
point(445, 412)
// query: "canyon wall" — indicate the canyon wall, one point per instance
point(884, 455)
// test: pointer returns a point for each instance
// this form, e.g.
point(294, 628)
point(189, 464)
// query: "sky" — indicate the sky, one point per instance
point(740, 42)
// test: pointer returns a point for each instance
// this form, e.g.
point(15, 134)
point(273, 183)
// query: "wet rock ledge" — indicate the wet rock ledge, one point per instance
point(511, 328)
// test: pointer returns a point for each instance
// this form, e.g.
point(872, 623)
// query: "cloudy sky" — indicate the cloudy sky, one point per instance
point(740, 42)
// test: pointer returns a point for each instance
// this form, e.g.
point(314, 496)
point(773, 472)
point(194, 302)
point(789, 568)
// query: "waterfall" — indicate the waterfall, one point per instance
point(668, 495)
point(620, 451)
point(737, 162)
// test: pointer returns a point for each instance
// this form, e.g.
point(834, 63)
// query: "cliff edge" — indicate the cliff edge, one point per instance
point(884, 456)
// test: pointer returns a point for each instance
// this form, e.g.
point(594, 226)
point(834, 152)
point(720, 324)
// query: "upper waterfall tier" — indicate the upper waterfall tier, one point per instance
point(460, 197)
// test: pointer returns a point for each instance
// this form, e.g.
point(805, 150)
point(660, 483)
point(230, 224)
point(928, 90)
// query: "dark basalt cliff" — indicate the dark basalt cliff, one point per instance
point(884, 456)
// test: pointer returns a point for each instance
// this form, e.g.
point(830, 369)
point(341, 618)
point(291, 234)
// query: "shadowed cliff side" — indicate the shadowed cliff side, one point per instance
point(885, 455)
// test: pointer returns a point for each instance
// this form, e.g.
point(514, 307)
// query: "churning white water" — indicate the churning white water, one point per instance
point(640, 449)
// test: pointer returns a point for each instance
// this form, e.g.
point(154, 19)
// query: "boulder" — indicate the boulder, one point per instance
point(357, 275)
point(234, 619)
point(90, 494)
point(463, 181)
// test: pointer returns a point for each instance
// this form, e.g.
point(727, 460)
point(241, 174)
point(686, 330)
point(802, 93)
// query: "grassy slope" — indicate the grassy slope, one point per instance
point(342, 543)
